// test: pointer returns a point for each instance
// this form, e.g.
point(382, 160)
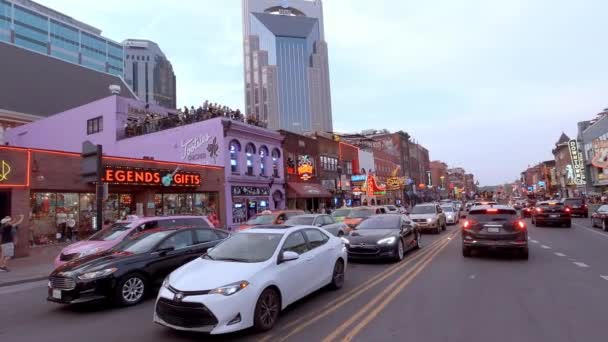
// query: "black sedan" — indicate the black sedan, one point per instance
point(130, 270)
point(551, 213)
point(383, 236)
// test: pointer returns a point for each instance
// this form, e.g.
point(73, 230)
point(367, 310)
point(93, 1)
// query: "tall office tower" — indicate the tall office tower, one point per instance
point(29, 25)
point(149, 73)
point(286, 65)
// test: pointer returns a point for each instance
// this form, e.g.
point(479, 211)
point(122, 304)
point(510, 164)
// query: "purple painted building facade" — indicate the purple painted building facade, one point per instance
point(251, 156)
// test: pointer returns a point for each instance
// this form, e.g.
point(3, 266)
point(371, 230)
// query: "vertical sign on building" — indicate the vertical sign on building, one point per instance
point(577, 163)
point(429, 178)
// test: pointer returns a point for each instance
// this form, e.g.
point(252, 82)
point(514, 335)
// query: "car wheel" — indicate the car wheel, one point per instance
point(418, 242)
point(593, 223)
point(266, 310)
point(337, 278)
point(400, 251)
point(587, 215)
point(604, 226)
point(131, 290)
point(466, 252)
point(524, 254)
point(569, 224)
point(340, 234)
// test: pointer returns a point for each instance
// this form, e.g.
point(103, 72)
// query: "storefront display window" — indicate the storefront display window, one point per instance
point(191, 204)
point(117, 206)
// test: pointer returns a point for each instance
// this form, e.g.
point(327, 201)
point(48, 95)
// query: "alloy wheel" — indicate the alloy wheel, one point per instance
point(133, 290)
point(604, 227)
point(269, 309)
point(338, 276)
point(418, 243)
point(400, 250)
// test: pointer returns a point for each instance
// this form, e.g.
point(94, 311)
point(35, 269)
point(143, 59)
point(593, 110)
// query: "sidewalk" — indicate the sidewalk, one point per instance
point(37, 266)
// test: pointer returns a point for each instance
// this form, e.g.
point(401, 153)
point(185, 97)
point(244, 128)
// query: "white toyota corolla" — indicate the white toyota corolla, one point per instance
point(249, 278)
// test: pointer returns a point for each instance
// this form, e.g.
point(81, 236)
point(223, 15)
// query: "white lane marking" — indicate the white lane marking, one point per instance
point(580, 264)
point(591, 230)
point(472, 276)
point(604, 277)
point(545, 247)
point(22, 287)
point(560, 254)
point(533, 241)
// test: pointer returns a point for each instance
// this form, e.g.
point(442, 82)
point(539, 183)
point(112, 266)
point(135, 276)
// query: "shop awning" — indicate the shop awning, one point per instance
point(306, 190)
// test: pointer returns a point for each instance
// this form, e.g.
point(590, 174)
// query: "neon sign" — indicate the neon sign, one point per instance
point(577, 163)
point(5, 170)
point(139, 176)
point(305, 168)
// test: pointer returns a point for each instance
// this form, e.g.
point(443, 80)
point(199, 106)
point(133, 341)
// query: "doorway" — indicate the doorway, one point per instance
point(5, 203)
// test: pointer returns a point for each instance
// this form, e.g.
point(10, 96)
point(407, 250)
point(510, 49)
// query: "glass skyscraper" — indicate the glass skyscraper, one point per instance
point(30, 25)
point(286, 65)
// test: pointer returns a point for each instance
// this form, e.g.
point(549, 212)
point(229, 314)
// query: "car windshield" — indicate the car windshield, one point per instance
point(341, 213)
point(143, 243)
point(246, 247)
point(361, 213)
point(110, 233)
point(262, 219)
point(391, 207)
point(447, 208)
point(390, 221)
point(300, 221)
point(423, 209)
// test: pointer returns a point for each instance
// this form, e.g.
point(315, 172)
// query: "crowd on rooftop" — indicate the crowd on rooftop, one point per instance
point(154, 122)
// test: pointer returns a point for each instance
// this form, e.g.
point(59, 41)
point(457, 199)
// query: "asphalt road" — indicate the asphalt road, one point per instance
point(435, 294)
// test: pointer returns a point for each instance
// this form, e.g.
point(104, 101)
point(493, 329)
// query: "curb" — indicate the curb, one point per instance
point(23, 281)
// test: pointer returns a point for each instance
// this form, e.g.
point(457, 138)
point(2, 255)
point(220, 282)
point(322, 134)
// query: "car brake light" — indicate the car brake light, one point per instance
point(567, 210)
point(521, 225)
point(466, 224)
point(539, 210)
point(493, 210)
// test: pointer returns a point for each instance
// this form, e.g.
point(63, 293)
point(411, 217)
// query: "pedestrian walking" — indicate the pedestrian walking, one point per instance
point(71, 224)
point(8, 234)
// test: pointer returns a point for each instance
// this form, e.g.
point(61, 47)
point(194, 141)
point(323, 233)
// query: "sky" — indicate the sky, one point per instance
point(485, 85)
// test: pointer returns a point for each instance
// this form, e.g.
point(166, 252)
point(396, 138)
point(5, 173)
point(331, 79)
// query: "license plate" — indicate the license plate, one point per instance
point(493, 230)
point(553, 216)
point(56, 294)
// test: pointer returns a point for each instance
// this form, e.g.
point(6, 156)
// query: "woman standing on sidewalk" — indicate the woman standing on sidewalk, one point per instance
point(7, 240)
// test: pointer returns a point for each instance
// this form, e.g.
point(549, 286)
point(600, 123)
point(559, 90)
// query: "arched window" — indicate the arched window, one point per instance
point(276, 155)
point(235, 149)
point(263, 156)
point(249, 153)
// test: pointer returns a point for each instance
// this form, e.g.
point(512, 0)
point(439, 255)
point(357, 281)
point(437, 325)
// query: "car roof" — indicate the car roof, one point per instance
point(308, 215)
point(494, 206)
point(275, 229)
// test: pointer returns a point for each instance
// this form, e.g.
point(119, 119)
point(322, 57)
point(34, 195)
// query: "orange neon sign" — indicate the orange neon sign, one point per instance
point(139, 176)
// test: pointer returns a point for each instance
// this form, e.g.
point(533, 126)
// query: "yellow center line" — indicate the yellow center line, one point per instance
point(378, 309)
point(385, 292)
point(315, 316)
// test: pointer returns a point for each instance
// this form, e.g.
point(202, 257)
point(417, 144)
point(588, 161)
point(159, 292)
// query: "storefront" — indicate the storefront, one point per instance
point(46, 187)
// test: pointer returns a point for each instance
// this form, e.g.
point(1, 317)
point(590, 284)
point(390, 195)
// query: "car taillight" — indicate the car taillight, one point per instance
point(466, 224)
point(567, 210)
point(493, 210)
point(520, 225)
point(539, 210)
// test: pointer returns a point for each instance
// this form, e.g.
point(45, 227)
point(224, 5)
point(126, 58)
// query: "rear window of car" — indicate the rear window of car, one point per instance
point(550, 205)
point(573, 202)
point(488, 215)
point(290, 214)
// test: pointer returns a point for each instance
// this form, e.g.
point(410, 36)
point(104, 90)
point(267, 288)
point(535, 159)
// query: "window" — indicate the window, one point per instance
point(349, 167)
point(275, 162)
point(249, 152)
point(178, 240)
point(263, 156)
point(205, 235)
point(315, 238)
point(95, 125)
point(329, 163)
point(295, 243)
point(235, 148)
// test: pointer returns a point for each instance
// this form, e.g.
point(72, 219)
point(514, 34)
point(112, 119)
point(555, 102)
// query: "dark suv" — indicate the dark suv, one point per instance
point(552, 213)
point(494, 227)
point(577, 206)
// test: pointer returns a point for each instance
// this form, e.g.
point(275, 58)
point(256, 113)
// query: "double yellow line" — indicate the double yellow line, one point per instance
point(305, 321)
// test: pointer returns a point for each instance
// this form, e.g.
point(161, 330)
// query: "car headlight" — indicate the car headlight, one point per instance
point(230, 289)
point(387, 241)
point(450, 216)
point(166, 282)
point(429, 220)
point(89, 252)
point(345, 241)
point(97, 274)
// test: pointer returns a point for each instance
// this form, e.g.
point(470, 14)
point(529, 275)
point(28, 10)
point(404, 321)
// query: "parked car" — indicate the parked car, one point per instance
point(357, 215)
point(319, 220)
point(551, 213)
point(248, 279)
point(109, 237)
point(429, 217)
point(383, 236)
point(600, 218)
point(340, 214)
point(494, 227)
point(127, 272)
point(274, 217)
point(451, 214)
point(577, 206)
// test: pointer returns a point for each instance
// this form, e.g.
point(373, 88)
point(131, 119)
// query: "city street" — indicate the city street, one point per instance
point(435, 294)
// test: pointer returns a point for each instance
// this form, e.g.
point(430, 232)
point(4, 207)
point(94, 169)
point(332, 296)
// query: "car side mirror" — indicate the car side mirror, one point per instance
point(209, 249)
point(319, 224)
point(289, 256)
